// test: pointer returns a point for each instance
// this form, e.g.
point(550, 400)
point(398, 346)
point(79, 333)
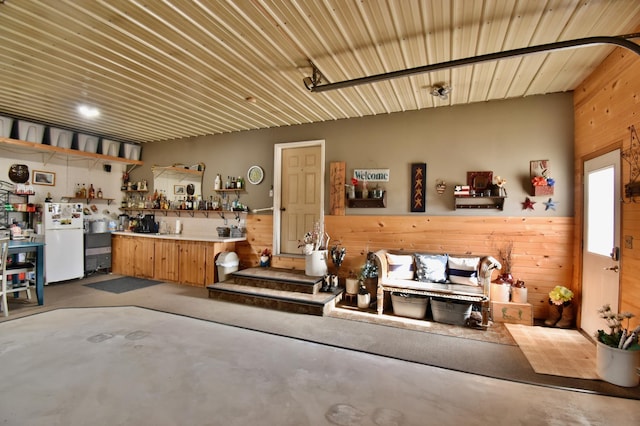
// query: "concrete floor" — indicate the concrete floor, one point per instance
point(134, 366)
point(124, 365)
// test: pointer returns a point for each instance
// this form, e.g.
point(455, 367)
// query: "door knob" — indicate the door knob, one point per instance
point(615, 268)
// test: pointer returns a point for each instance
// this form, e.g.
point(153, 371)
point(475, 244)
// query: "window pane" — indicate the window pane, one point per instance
point(600, 233)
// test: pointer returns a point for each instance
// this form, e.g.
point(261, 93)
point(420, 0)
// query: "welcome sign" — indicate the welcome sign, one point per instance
point(371, 175)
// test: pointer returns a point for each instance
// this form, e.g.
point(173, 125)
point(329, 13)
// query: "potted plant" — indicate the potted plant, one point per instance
point(314, 245)
point(506, 258)
point(367, 281)
point(560, 307)
point(364, 297)
point(501, 286)
point(618, 351)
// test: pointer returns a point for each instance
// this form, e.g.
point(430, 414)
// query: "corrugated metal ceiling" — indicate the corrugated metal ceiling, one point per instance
point(165, 69)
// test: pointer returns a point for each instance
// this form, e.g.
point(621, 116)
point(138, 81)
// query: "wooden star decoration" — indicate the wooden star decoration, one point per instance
point(550, 205)
point(528, 204)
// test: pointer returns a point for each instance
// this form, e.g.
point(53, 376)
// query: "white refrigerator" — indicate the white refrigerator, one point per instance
point(63, 237)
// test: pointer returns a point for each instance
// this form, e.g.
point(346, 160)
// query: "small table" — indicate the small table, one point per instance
point(16, 247)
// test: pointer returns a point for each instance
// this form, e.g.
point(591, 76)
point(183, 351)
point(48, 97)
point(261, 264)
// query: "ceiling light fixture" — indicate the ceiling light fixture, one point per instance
point(88, 111)
point(441, 91)
point(313, 83)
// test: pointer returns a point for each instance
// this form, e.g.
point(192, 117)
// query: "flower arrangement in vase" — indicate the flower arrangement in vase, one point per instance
point(314, 245)
point(560, 307)
point(618, 350)
point(618, 336)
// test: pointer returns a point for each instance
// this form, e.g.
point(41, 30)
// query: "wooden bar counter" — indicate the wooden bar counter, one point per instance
point(178, 258)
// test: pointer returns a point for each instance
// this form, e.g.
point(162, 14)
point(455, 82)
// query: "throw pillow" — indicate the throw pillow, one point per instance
point(400, 266)
point(431, 268)
point(464, 270)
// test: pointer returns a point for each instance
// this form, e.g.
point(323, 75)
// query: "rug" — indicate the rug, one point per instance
point(556, 351)
point(122, 285)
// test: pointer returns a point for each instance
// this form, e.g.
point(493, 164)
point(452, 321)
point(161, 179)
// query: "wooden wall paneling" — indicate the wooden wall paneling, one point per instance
point(605, 105)
point(337, 181)
point(543, 255)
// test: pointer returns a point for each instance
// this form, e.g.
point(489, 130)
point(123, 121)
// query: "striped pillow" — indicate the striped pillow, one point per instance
point(400, 266)
point(463, 269)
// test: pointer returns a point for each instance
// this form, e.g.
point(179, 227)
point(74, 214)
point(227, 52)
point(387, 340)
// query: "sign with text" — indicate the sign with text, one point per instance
point(371, 175)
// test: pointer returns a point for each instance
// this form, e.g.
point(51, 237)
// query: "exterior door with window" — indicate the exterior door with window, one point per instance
point(600, 253)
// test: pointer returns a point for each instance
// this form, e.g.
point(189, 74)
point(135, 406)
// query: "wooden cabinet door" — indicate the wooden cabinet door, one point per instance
point(143, 257)
point(122, 251)
point(166, 260)
point(192, 263)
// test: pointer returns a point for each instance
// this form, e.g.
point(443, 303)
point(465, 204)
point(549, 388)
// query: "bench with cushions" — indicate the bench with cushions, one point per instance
point(453, 277)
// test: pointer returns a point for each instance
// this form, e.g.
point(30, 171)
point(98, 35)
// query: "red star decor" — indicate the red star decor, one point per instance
point(528, 204)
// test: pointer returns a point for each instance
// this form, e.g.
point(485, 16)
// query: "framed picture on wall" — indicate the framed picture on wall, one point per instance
point(479, 181)
point(40, 177)
point(179, 189)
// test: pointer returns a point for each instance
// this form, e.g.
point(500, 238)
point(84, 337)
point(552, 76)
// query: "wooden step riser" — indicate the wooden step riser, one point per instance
point(269, 303)
point(278, 285)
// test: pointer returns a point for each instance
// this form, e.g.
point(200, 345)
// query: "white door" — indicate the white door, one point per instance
point(299, 193)
point(600, 261)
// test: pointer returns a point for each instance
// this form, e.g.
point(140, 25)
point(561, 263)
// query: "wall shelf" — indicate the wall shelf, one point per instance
point(49, 152)
point(368, 202)
point(473, 202)
point(90, 200)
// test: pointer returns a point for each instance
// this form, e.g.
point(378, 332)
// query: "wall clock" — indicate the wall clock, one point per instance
point(255, 174)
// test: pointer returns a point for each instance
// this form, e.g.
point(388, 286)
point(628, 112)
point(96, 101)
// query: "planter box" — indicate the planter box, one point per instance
point(617, 366)
point(512, 313)
point(410, 306)
point(542, 190)
point(450, 312)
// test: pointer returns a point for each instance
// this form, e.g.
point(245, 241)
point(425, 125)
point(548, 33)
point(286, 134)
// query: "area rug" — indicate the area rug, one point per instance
point(556, 351)
point(122, 285)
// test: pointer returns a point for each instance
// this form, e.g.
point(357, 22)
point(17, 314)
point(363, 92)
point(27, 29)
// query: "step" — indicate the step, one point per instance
point(278, 279)
point(282, 300)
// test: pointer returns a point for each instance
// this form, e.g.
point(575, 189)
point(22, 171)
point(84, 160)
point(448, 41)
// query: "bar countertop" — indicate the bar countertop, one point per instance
point(182, 237)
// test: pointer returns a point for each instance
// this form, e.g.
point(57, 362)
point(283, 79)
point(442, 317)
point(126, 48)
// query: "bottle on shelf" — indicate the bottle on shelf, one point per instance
point(217, 183)
point(92, 191)
point(99, 192)
point(83, 191)
point(239, 182)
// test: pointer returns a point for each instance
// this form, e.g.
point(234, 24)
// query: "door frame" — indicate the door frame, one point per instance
point(579, 221)
point(277, 187)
